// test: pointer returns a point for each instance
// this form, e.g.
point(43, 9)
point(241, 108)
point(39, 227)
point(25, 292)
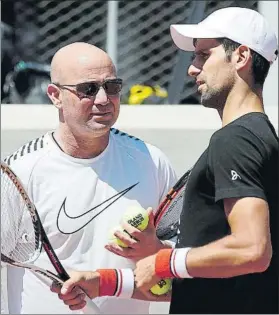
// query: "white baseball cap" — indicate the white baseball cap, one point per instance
point(244, 26)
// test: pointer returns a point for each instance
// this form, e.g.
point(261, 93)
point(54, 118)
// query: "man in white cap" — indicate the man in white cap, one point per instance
point(226, 257)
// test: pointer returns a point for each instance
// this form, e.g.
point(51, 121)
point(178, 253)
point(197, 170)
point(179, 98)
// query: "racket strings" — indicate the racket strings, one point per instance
point(18, 237)
point(167, 220)
point(168, 223)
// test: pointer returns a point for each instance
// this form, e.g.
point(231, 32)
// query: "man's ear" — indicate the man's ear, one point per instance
point(244, 57)
point(53, 93)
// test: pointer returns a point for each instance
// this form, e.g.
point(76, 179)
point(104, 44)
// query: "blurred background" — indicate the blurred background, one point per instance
point(134, 33)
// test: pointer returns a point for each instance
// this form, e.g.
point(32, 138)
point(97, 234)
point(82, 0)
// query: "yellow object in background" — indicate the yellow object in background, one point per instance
point(146, 94)
point(160, 91)
point(138, 93)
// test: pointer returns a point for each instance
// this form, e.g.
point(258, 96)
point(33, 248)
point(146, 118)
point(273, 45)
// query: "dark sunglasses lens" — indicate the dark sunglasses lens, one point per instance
point(88, 89)
point(112, 87)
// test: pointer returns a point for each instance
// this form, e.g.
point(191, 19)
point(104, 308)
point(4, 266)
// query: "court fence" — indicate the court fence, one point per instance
point(135, 33)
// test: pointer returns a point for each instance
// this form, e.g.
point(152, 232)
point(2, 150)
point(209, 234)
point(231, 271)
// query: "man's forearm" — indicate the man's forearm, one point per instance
point(227, 257)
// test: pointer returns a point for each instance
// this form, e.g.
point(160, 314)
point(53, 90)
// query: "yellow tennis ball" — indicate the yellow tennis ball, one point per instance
point(115, 240)
point(162, 287)
point(137, 217)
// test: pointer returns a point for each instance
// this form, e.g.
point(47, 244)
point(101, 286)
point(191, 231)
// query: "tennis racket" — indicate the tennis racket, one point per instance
point(23, 236)
point(166, 219)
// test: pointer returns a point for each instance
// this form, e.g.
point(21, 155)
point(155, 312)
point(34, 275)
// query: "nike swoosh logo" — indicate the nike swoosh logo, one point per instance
point(88, 214)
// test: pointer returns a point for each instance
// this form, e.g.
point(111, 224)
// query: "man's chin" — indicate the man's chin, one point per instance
point(207, 103)
point(100, 127)
point(212, 101)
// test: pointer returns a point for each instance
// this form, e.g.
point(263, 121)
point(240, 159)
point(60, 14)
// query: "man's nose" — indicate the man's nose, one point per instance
point(193, 71)
point(101, 97)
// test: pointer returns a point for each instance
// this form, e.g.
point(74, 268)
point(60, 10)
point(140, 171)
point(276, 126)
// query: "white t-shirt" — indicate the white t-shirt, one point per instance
point(79, 201)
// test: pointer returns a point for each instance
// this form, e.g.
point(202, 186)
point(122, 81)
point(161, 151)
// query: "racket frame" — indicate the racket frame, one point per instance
point(164, 205)
point(41, 238)
point(43, 242)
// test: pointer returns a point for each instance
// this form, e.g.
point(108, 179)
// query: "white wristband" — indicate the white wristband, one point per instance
point(178, 263)
point(126, 283)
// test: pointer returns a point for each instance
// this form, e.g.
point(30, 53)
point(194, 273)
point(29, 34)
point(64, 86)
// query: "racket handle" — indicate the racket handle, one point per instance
point(90, 307)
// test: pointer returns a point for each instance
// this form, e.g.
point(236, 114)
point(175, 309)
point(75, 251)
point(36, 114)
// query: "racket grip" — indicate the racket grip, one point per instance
point(90, 307)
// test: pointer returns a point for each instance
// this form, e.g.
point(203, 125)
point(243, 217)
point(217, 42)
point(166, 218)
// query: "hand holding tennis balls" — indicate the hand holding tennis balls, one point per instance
point(113, 239)
point(138, 218)
point(135, 216)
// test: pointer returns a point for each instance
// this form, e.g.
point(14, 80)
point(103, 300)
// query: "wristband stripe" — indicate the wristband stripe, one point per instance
point(116, 282)
point(119, 283)
point(173, 269)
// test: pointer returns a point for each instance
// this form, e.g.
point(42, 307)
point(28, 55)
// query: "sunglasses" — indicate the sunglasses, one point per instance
point(90, 89)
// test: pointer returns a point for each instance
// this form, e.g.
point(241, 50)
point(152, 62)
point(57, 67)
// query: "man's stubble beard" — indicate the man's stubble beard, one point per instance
point(215, 98)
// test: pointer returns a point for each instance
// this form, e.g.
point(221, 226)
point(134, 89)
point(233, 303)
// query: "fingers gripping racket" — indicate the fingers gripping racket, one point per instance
point(167, 216)
point(23, 236)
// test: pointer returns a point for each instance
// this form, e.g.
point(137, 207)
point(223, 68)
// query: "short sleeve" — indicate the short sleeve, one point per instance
point(236, 162)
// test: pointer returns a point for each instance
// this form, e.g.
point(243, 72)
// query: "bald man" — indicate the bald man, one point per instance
point(82, 177)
